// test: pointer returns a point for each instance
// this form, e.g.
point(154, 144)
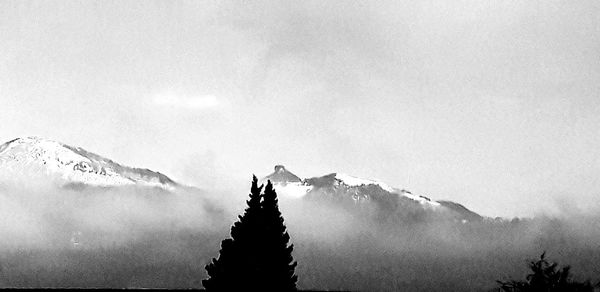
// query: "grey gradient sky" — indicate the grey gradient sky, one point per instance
point(493, 104)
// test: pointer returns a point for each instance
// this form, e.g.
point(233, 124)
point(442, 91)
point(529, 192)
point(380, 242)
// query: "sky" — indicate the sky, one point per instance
point(492, 104)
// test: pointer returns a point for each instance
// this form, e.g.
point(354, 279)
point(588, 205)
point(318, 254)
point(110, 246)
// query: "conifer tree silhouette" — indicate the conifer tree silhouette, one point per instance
point(233, 268)
point(547, 277)
point(256, 257)
point(280, 264)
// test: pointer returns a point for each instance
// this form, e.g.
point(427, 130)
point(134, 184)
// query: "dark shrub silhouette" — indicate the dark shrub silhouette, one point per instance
point(547, 277)
point(257, 256)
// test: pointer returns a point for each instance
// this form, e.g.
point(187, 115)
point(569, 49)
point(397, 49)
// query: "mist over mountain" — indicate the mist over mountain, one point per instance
point(71, 218)
point(349, 190)
point(45, 160)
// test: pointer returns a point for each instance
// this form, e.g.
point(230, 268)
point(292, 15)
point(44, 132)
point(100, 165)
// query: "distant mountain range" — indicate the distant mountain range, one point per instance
point(33, 158)
point(350, 190)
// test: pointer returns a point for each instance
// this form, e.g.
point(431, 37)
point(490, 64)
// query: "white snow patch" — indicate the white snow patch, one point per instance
point(419, 199)
point(39, 156)
point(355, 181)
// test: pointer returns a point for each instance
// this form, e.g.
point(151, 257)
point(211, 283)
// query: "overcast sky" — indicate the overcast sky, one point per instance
point(493, 104)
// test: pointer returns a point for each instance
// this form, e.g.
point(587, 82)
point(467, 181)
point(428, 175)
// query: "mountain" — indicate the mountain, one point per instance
point(37, 159)
point(282, 175)
point(350, 190)
point(68, 166)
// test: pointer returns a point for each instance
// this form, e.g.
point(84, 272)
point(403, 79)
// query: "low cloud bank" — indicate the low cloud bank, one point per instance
point(71, 236)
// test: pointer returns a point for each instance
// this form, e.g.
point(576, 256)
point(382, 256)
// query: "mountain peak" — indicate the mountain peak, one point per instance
point(39, 157)
point(282, 175)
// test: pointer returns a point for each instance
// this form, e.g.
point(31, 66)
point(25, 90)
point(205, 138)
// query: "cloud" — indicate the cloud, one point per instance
point(187, 102)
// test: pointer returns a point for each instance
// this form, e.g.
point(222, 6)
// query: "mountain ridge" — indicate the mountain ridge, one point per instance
point(340, 186)
point(68, 165)
point(75, 167)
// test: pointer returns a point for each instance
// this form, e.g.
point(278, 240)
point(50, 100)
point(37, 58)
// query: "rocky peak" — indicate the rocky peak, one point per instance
point(282, 175)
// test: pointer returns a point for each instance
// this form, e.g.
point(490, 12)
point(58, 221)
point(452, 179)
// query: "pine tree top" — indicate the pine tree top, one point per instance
point(257, 256)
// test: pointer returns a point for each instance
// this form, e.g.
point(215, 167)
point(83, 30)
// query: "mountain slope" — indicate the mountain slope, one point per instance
point(35, 157)
point(350, 190)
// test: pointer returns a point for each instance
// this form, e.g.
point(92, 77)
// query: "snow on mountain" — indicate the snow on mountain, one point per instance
point(420, 199)
point(355, 181)
point(288, 183)
point(36, 157)
point(346, 187)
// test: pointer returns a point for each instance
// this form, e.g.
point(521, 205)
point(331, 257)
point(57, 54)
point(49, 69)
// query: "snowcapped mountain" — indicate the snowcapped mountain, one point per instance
point(35, 157)
point(286, 181)
point(38, 159)
point(347, 188)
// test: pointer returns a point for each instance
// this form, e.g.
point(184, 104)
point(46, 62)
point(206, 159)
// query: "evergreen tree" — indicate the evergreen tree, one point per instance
point(233, 270)
point(280, 264)
point(547, 277)
point(256, 257)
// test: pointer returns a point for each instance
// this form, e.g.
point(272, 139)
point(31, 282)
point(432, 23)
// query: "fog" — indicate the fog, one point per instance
point(493, 104)
point(150, 237)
